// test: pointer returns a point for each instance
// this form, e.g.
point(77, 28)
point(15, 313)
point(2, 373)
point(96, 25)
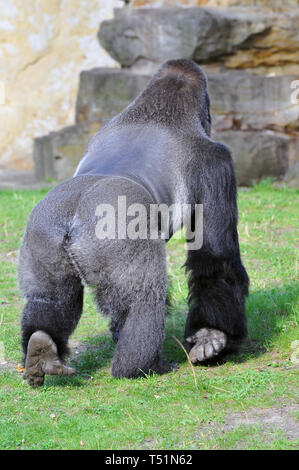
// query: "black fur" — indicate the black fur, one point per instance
point(218, 282)
point(158, 150)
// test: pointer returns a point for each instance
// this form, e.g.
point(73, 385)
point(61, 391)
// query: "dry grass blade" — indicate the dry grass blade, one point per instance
point(189, 360)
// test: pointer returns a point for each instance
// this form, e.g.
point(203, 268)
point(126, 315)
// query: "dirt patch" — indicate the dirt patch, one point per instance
point(76, 348)
point(269, 420)
point(9, 366)
point(9, 257)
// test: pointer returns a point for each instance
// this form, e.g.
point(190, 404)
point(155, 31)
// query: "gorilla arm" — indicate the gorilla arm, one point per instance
point(218, 282)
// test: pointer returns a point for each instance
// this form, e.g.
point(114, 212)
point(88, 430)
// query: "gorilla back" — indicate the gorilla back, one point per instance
point(157, 151)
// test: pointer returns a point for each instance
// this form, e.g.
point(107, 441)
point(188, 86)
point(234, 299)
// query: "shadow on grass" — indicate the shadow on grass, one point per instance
point(269, 312)
point(94, 353)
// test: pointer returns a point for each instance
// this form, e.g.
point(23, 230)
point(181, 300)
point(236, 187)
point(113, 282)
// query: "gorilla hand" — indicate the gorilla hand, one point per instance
point(207, 343)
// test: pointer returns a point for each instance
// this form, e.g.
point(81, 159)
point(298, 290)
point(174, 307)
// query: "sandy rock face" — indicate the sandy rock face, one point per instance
point(43, 47)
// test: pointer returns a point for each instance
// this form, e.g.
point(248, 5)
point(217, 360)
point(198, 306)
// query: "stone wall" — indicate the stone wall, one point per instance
point(44, 45)
point(258, 39)
point(250, 55)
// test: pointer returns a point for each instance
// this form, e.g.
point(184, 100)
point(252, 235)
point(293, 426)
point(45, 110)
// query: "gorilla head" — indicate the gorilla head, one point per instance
point(175, 95)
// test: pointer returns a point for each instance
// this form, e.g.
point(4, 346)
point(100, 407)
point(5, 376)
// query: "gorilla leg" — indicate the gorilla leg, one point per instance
point(52, 289)
point(138, 350)
point(47, 323)
point(129, 276)
point(133, 294)
point(218, 282)
point(57, 316)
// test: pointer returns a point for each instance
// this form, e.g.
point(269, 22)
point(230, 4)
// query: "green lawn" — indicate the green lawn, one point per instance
point(201, 408)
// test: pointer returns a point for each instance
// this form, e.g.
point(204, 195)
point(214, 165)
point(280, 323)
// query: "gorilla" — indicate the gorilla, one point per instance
point(157, 151)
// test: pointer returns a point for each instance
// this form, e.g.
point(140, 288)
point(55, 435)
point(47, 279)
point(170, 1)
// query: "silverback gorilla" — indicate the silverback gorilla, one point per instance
point(158, 150)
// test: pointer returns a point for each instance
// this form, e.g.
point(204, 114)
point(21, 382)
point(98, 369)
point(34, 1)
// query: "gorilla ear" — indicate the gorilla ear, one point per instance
point(206, 118)
point(208, 104)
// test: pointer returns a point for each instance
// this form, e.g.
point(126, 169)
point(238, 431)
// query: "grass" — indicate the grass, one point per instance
point(188, 409)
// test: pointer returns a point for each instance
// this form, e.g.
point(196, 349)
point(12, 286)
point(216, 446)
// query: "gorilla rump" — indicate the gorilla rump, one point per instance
point(158, 150)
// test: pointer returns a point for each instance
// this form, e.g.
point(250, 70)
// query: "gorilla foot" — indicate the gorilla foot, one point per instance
point(42, 358)
point(207, 343)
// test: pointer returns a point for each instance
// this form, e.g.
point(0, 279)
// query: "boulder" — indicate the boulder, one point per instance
point(253, 114)
point(238, 36)
point(292, 176)
point(103, 92)
point(57, 154)
point(258, 155)
point(239, 100)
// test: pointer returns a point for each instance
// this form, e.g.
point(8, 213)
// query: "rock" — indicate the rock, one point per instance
point(277, 44)
point(252, 113)
point(292, 176)
point(103, 93)
point(57, 155)
point(246, 109)
point(239, 37)
point(43, 48)
point(258, 155)
point(240, 100)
